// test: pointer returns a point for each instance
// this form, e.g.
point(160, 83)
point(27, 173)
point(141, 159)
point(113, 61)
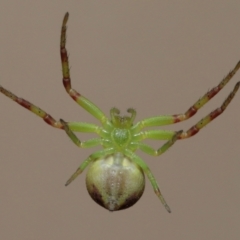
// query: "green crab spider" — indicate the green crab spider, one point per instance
point(116, 175)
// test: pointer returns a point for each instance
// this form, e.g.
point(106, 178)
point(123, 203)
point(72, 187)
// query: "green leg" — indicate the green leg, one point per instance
point(206, 120)
point(85, 163)
point(171, 119)
point(154, 134)
point(32, 108)
point(84, 127)
point(165, 134)
point(149, 150)
point(149, 174)
point(90, 128)
point(86, 144)
point(82, 101)
point(74, 126)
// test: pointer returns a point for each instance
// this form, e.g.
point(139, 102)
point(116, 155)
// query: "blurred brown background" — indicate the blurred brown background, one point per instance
point(156, 56)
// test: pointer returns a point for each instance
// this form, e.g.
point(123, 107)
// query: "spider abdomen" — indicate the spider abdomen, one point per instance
point(115, 182)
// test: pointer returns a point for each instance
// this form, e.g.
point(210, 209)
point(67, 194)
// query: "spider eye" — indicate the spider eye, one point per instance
point(115, 182)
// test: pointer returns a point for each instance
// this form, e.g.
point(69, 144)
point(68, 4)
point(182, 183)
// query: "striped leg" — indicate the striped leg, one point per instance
point(166, 134)
point(38, 111)
point(74, 126)
point(171, 119)
point(77, 97)
point(203, 122)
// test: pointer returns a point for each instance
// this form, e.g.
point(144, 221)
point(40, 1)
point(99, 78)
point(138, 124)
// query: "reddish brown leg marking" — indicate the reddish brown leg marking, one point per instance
point(203, 122)
point(77, 97)
point(38, 111)
point(209, 95)
point(65, 63)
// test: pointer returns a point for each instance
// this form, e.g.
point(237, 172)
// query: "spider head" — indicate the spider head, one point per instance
point(124, 122)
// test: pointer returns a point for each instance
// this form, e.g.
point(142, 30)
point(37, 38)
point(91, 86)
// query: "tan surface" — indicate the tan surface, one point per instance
point(156, 56)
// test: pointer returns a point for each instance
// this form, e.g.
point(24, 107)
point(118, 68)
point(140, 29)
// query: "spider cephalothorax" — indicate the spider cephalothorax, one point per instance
point(115, 178)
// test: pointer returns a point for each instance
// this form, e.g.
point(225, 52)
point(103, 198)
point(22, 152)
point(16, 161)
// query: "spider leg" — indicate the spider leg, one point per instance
point(154, 134)
point(149, 150)
point(85, 144)
point(77, 97)
point(203, 122)
point(85, 163)
point(84, 127)
point(149, 174)
point(171, 119)
point(38, 111)
point(74, 126)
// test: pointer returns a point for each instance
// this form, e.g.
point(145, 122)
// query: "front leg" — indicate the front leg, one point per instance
point(32, 108)
point(171, 119)
point(77, 97)
point(206, 120)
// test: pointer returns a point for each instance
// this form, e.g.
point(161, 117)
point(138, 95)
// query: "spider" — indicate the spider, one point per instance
point(116, 175)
